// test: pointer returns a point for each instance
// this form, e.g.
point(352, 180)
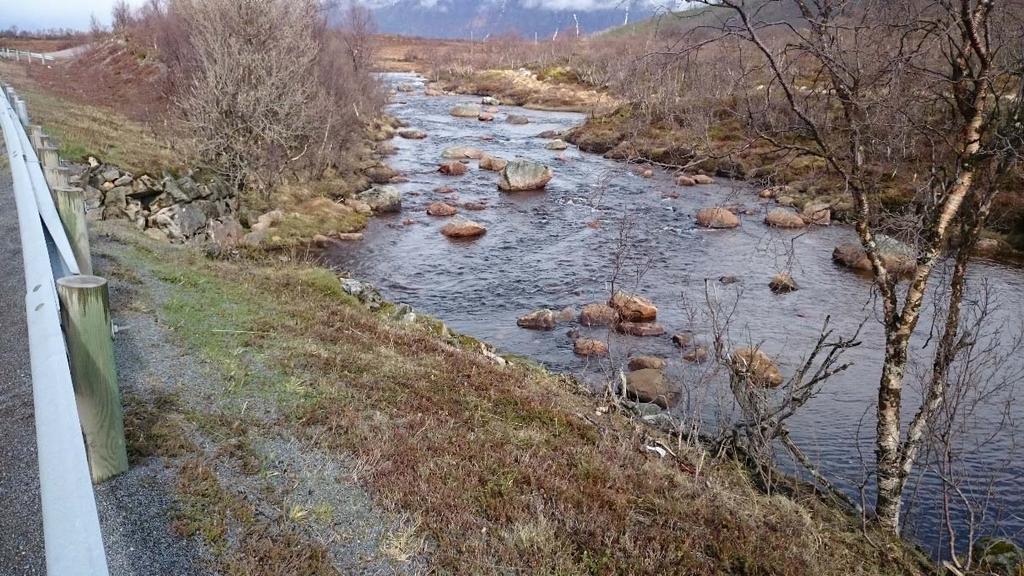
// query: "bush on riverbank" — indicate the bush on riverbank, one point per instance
point(499, 465)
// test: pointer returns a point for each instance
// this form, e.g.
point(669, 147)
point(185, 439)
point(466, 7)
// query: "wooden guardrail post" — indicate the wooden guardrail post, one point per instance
point(50, 161)
point(35, 136)
point(71, 208)
point(85, 307)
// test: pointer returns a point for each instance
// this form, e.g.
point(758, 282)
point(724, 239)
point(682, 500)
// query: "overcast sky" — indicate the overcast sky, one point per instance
point(37, 14)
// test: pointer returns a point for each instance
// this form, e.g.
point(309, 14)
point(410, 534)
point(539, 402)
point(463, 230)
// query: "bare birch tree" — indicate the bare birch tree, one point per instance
point(938, 81)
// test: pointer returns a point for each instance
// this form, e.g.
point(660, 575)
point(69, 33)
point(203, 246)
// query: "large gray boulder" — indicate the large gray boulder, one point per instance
point(651, 385)
point(382, 198)
point(522, 175)
point(466, 111)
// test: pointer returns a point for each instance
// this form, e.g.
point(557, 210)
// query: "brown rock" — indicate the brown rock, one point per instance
point(782, 218)
point(817, 213)
point(717, 218)
point(475, 206)
point(542, 319)
point(453, 168)
point(640, 329)
point(412, 134)
point(757, 367)
point(682, 339)
point(633, 308)
point(444, 190)
point(646, 363)
point(896, 257)
point(517, 119)
point(589, 347)
point(462, 228)
point(684, 180)
point(702, 179)
point(783, 283)
point(598, 314)
point(462, 153)
point(492, 163)
point(566, 314)
point(441, 209)
point(698, 355)
point(465, 111)
point(650, 385)
point(485, 117)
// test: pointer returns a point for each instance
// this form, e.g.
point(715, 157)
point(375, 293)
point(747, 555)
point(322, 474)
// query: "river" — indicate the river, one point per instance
point(543, 249)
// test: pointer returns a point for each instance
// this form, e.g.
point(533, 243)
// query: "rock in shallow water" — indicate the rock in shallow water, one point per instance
point(524, 175)
point(716, 217)
point(462, 228)
point(651, 385)
point(542, 319)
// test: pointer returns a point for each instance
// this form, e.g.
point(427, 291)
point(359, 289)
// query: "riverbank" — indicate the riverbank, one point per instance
point(485, 464)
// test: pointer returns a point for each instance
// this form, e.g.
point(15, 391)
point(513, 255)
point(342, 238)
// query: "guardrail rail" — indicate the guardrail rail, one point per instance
point(71, 530)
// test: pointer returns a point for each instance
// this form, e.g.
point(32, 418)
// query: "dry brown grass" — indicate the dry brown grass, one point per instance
point(506, 469)
point(83, 130)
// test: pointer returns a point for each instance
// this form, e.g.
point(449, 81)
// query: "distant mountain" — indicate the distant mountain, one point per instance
point(482, 18)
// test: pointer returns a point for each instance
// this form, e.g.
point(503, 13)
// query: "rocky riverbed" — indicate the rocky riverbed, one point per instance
point(596, 221)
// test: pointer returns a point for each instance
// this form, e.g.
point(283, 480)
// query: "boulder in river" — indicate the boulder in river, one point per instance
point(462, 228)
point(492, 163)
point(684, 180)
point(682, 339)
point(466, 111)
point(757, 367)
point(453, 168)
point(640, 329)
point(490, 101)
point(702, 179)
point(650, 385)
point(645, 363)
point(898, 257)
point(549, 134)
point(633, 308)
point(462, 153)
point(485, 117)
point(717, 217)
point(542, 319)
point(441, 209)
point(818, 213)
point(783, 283)
point(556, 145)
point(522, 175)
point(783, 218)
point(412, 134)
point(476, 206)
point(382, 199)
point(406, 87)
point(517, 119)
point(589, 347)
point(698, 355)
point(598, 314)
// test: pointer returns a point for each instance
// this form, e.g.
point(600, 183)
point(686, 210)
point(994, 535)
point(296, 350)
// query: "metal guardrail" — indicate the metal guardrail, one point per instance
point(22, 55)
point(71, 531)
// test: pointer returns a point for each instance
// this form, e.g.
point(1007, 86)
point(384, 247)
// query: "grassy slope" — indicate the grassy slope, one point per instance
point(82, 130)
point(505, 469)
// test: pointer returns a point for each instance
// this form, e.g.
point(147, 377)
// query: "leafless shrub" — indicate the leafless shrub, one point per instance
point(269, 91)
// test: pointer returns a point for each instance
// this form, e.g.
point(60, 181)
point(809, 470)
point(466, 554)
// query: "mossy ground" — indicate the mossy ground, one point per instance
point(499, 469)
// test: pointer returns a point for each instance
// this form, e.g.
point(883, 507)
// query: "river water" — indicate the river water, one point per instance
point(556, 248)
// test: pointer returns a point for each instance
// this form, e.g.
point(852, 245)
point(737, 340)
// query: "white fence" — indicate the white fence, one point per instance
point(71, 531)
point(23, 56)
